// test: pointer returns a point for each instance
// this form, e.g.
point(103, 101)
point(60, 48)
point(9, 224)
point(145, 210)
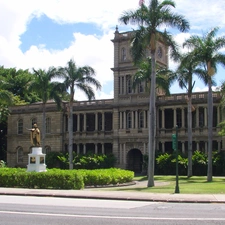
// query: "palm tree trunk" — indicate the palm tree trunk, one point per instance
point(210, 134)
point(189, 136)
point(152, 125)
point(70, 128)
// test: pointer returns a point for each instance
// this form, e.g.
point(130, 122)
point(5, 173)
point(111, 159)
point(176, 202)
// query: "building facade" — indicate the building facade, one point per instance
point(118, 125)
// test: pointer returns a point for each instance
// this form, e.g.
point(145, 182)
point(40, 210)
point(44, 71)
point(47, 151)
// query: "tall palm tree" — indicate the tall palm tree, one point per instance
point(46, 89)
point(206, 51)
point(149, 19)
point(77, 78)
point(184, 73)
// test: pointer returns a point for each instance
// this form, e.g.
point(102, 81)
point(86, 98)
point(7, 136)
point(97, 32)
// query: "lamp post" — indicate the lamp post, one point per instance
point(175, 148)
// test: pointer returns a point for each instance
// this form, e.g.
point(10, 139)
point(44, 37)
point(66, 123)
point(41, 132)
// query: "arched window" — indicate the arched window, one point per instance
point(19, 151)
point(141, 119)
point(141, 87)
point(48, 125)
point(129, 84)
point(123, 54)
point(129, 120)
point(20, 126)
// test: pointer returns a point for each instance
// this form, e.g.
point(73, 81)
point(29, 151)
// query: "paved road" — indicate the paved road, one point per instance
point(24, 210)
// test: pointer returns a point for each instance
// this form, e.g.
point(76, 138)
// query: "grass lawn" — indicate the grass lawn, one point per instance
point(192, 185)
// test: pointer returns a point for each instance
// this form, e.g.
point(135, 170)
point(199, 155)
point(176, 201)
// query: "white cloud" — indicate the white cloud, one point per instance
point(86, 49)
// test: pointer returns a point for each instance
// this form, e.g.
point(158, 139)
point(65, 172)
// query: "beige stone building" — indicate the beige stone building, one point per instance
point(118, 125)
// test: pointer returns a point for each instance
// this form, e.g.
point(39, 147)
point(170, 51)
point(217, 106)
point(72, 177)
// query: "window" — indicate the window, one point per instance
point(20, 126)
point(123, 54)
point(48, 125)
point(129, 120)
point(19, 151)
point(129, 85)
point(141, 119)
point(141, 87)
point(33, 121)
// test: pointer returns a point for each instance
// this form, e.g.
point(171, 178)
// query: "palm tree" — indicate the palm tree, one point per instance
point(149, 19)
point(164, 77)
point(206, 51)
point(46, 89)
point(184, 73)
point(80, 78)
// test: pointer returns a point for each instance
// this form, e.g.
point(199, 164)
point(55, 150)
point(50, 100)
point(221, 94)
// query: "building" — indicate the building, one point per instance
point(118, 125)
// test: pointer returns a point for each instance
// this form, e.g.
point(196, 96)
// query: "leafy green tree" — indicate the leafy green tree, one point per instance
point(149, 19)
point(77, 78)
point(206, 51)
point(16, 82)
point(46, 89)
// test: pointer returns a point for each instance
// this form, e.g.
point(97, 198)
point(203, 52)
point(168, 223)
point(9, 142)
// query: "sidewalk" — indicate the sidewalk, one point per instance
point(108, 193)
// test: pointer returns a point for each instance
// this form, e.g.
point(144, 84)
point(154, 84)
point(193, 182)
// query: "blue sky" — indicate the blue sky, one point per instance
point(40, 34)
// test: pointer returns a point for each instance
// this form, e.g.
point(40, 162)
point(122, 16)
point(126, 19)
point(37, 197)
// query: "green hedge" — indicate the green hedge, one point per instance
point(62, 179)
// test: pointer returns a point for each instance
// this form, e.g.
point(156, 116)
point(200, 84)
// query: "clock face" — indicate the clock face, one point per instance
point(159, 52)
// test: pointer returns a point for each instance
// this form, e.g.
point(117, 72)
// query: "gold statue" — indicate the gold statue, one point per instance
point(35, 135)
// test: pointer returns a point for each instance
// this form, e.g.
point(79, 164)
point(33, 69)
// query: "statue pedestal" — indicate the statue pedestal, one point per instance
point(36, 160)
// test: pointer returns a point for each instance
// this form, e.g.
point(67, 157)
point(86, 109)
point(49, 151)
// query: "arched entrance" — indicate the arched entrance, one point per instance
point(134, 160)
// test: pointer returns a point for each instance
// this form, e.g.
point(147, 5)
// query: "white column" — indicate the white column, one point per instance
point(163, 118)
point(174, 117)
point(103, 148)
point(96, 121)
point(183, 147)
point(132, 119)
point(121, 120)
point(78, 122)
point(205, 117)
point(136, 119)
point(144, 148)
point(163, 147)
point(78, 149)
point(96, 149)
point(206, 147)
point(124, 154)
point(124, 120)
point(197, 143)
point(85, 122)
point(183, 118)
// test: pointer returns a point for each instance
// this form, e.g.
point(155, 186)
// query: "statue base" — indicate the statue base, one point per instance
point(36, 160)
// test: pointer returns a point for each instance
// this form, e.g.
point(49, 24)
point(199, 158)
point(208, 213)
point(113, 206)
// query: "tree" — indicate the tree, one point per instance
point(184, 73)
point(164, 77)
point(206, 51)
point(80, 78)
point(149, 19)
point(16, 82)
point(46, 90)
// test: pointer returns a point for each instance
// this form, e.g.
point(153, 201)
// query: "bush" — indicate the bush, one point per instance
point(62, 179)
point(89, 161)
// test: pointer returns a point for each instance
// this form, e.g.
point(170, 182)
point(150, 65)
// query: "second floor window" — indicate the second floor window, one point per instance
point(20, 127)
point(48, 125)
point(123, 54)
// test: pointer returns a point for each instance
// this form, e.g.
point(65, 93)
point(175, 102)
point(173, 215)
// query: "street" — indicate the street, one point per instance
point(22, 210)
